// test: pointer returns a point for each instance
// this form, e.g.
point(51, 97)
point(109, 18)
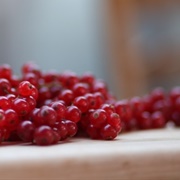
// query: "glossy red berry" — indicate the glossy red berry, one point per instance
point(31, 101)
point(109, 108)
point(60, 109)
point(71, 128)
point(99, 99)
point(137, 106)
point(68, 79)
point(144, 120)
point(43, 135)
point(26, 89)
point(93, 132)
point(91, 100)
point(48, 115)
point(114, 120)
point(158, 120)
point(5, 71)
point(5, 103)
point(73, 113)
point(5, 87)
point(108, 132)
point(62, 129)
point(98, 118)
point(67, 96)
point(80, 89)
point(157, 94)
point(12, 120)
point(21, 106)
point(82, 103)
point(26, 130)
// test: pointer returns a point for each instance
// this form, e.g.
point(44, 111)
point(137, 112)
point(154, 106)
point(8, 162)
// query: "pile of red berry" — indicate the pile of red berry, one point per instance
point(47, 107)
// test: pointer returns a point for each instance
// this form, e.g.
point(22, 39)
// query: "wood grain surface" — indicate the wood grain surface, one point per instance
point(141, 155)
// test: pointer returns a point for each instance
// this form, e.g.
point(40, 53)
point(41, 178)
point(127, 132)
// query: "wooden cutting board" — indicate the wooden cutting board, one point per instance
point(152, 155)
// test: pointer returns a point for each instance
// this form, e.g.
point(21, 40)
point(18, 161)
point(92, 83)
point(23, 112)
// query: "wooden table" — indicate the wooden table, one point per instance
point(153, 154)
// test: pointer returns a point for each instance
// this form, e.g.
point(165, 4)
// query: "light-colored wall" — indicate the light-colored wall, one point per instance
point(56, 34)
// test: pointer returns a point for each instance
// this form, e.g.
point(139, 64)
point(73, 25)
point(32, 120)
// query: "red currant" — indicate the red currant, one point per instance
point(43, 135)
point(26, 130)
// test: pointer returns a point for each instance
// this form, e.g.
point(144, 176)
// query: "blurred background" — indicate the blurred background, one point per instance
point(134, 45)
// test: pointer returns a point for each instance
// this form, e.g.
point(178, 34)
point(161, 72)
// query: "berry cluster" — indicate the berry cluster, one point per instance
point(47, 107)
point(151, 111)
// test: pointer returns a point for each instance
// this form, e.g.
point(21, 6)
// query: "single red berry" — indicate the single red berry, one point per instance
point(67, 96)
point(80, 89)
point(161, 105)
point(71, 128)
point(114, 120)
point(48, 115)
point(147, 103)
point(91, 100)
point(26, 130)
point(108, 132)
point(12, 119)
point(5, 71)
point(119, 128)
point(98, 118)
point(68, 79)
point(34, 93)
point(157, 94)
point(93, 132)
point(62, 129)
point(144, 120)
point(36, 118)
point(73, 113)
point(158, 120)
point(55, 89)
point(60, 109)
point(82, 103)
point(21, 106)
point(25, 88)
point(99, 98)
point(109, 108)
point(130, 124)
point(137, 106)
point(31, 101)
point(5, 87)
point(43, 135)
point(56, 136)
point(5, 103)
